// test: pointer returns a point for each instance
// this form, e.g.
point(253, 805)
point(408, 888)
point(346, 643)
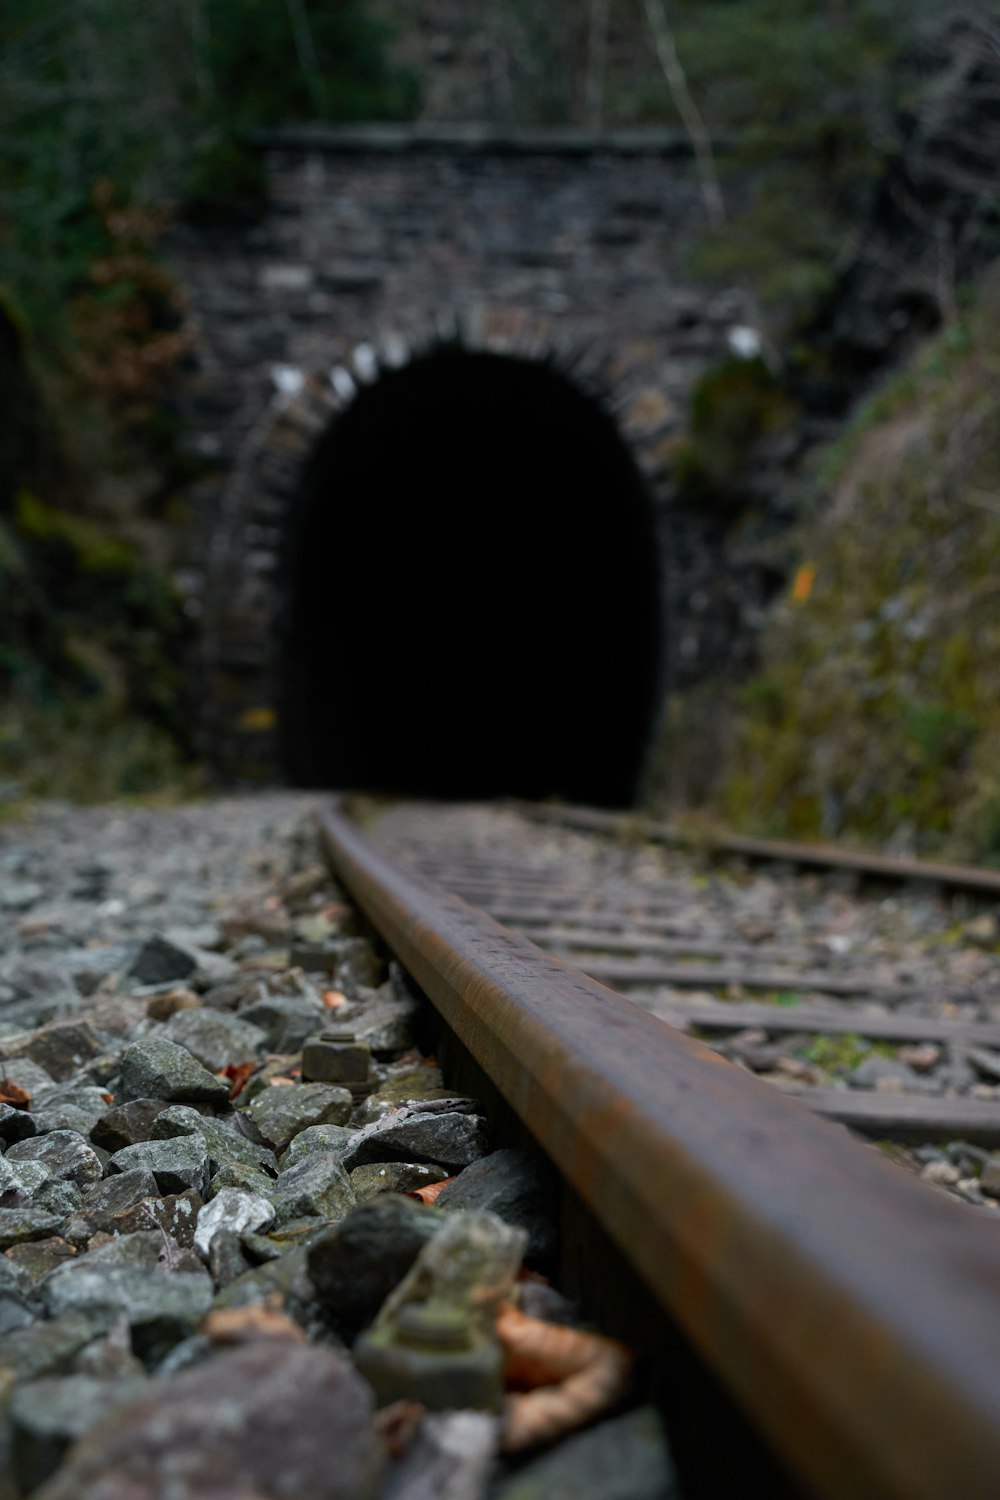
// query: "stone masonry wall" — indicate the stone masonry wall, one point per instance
point(379, 240)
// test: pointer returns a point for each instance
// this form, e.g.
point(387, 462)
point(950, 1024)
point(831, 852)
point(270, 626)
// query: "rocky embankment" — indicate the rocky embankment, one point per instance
point(251, 1244)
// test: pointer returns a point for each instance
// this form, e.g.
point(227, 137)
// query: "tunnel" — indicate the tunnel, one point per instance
point(470, 591)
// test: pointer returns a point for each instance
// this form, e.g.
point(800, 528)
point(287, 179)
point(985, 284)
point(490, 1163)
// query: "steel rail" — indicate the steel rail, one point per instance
point(853, 1312)
point(818, 856)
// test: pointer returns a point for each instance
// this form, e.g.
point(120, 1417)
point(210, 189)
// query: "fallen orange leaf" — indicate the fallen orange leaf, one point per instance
point(397, 1425)
point(238, 1074)
point(429, 1194)
point(240, 1325)
point(802, 584)
point(568, 1377)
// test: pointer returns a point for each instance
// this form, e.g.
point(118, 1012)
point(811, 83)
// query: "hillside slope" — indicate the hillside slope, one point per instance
point(876, 714)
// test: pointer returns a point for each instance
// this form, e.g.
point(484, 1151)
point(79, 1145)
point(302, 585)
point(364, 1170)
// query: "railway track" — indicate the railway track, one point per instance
point(848, 1314)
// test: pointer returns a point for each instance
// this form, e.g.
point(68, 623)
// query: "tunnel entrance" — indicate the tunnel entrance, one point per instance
point(471, 591)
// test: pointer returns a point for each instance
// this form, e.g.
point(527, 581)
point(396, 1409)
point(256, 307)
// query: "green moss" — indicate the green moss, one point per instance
point(734, 406)
point(876, 713)
point(94, 549)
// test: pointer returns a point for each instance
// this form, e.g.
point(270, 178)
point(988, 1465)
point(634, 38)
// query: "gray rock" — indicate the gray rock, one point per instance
point(232, 1174)
point(286, 1020)
point(64, 1047)
point(985, 1062)
point(449, 1140)
point(989, 1180)
point(317, 1188)
point(521, 1189)
point(15, 1125)
point(161, 1307)
point(214, 1037)
point(66, 1154)
point(314, 1139)
point(295, 1421)
point(77, 1108)
point(22, 1177)
point(234, 1211)
point(156, 1068)
point(626, 1458)
point(282, 1111)
point(126, 1124)
point(385, 1021)
point(884, 1074)
point(58, 1197)
point(103, 1203)
point(358, 966)
point(225, 1145)
point(393, 1177)
point(451, 1458)
point(50, 1347)
point(226, 1258)
point(160, 962)
point(283, 1279)
point(356, 1264)
point(179, 1163)
point(36, 1258)
point(173, 1215)
point(16, 1311)
point(47, 1416)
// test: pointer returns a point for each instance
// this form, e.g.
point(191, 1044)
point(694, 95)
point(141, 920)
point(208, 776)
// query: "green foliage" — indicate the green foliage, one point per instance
point(877, 712)
point(734, 406)
point(157, 99)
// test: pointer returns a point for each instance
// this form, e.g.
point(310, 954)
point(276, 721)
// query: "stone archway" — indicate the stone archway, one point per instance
point(243, 624)
point(470, 597)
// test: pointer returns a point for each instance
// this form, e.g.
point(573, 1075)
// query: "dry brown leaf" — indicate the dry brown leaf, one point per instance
point(397, 1425)
point(429, 1194)
point(568, 1376)
point(238, 1075)
point(14, 1094)
point(242, 1325)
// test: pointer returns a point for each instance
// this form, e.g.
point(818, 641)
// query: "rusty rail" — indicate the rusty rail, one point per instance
point(984, 882)
point(852, 1312)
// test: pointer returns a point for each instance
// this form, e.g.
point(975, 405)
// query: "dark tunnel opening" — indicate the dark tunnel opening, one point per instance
point(471, 591)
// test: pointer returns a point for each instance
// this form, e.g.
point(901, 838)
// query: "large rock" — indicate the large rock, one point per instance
point(234, 1211)
point(214, 1037)
point(520, 1189)
point(127, 1123)
point(283, 1110)
point(286, 1020)
point(161, 1307)
point(66, 1155)
point(160, 962)
point(450, 1139)
point(176, 1164)
point(315, 1139)
point(48, 1415)
point(18, 1226)
point(270, 1421)
point(356, 1264)
point(317, 1187)
point(225, 1144)
point(155, 1068)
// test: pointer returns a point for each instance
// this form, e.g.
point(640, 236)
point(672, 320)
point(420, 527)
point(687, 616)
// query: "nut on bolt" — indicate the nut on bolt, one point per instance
point(335, 1057)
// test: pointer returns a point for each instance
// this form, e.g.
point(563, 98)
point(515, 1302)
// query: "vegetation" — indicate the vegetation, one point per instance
point(877, 712)
point(113, 117)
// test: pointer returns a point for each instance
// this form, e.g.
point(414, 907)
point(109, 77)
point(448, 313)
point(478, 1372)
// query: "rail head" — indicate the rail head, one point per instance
point(852, 1311)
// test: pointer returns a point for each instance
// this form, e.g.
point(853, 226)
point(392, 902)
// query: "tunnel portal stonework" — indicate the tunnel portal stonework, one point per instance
point(377, 243)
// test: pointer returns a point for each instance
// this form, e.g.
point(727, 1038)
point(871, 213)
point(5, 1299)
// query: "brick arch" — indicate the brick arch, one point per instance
point(241, 600)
